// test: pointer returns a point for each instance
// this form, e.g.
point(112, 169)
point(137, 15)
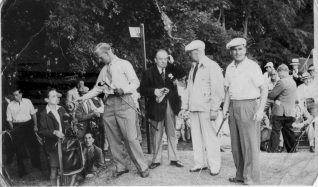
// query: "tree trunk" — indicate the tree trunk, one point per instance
point(245, 24)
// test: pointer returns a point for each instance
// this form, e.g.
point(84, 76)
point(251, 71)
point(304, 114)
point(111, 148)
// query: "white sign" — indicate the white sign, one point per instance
point(134, 32)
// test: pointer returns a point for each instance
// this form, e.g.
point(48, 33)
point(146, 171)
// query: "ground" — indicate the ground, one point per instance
point(299, 168)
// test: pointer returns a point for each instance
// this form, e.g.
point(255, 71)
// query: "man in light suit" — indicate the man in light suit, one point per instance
point(284, 94)
point(157, 82)
point(204, 96)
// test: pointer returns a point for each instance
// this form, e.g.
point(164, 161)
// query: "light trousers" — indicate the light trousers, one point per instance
point(121, 132)
point(206, 146)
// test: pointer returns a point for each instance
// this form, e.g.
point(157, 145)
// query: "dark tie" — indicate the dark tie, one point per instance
point(195, 71)
point(163, 75)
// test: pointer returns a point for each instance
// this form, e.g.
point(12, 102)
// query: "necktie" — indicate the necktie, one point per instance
point(195, 71)
point(109, 73)
point(163, 76)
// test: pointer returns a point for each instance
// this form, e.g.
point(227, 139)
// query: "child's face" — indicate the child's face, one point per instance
point(53, 98)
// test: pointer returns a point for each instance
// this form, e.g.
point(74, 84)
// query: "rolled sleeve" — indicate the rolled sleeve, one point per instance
point(258, 78)
point(9, 113)
point(132, 79)
point(31, 107)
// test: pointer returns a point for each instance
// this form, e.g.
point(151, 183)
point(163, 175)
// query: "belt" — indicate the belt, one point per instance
point(113, 96)
point(255, 99)
point(20, 122)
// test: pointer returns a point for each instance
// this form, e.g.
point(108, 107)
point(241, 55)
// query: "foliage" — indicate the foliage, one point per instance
point(277, 30)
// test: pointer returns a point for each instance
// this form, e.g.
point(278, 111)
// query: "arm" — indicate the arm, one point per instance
point(217, 87)
point(44, 129)
point(9, 117)
point(277, 90)
point(146, 88)
point(131, 77)
point(263, 98)
point(33, 115)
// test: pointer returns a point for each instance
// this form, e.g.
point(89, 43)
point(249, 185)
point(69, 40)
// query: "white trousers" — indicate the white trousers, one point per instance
point(206, 146)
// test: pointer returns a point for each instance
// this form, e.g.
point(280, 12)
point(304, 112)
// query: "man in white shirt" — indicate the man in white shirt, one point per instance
point(22, 119)
point(118, 81)
point(204, 97)
point(269, 68)
point(244, 85)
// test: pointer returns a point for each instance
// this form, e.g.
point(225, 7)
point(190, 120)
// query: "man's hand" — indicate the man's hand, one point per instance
point(165, 90)
point(59, 134)
point(258, 116)
point(213, 115)
point(181, 113)
point(97, 113)
point(159, 92)
point(225, 113)
point(79, 99)
point(35, 128)
point(118, 91)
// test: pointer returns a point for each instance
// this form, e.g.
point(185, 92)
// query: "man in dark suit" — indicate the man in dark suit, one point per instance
point(162, 104)
point(283, 112)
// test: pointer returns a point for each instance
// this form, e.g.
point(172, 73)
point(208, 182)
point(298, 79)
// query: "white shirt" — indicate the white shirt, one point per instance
point(123, 76)
point(18, 112)
point(244, 80)
point(55, 114)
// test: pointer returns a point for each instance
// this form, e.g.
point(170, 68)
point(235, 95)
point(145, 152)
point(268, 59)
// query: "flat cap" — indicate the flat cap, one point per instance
point(236, 42)
point(295, 61)
point(282, 67)
point(195, 44)
point(269, 64)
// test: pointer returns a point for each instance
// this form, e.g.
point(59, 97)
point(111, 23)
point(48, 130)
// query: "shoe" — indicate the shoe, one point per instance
point(214, 174)
point(154, 165)
point(235, 180)
point(198, 169)
point(311, 149)
point(145, 173)
point(176, 163)
point(119, 173)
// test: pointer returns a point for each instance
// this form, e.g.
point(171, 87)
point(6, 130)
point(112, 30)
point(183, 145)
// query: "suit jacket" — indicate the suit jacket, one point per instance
point(95, 160)
point(284, 93)
point(48, 124)
point(152, 80)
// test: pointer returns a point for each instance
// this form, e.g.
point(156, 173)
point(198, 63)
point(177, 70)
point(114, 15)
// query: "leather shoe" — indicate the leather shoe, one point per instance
point(154, 165)
point(177, 164)
point(235, 180)
point(119, 173)
point(311, 149)
point(198, 169)
point(214, 174)
point(145, 173)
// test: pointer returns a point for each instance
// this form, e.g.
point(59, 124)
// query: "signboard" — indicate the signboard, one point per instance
point(134, 32)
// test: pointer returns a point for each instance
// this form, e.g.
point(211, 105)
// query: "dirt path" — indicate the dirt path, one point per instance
point(277, 169)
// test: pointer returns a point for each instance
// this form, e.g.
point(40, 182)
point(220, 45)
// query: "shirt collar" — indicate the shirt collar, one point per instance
point(203, 61)
point(18, 101)
point(161, 69)
point(114, 60)
point(241, 63)
point(48, 109)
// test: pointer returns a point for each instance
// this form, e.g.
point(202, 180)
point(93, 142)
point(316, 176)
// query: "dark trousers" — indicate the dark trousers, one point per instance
point(284, 124)
point(23, 135)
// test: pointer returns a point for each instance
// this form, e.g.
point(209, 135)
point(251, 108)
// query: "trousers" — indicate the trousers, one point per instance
point(167, 124)
point(121, 132)
point(206, 146)
point(245, 140)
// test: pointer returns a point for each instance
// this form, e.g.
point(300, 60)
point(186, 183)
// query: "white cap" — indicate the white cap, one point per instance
point(269, 64)
point(195, 44)
point(236, 42)
point(295, 61)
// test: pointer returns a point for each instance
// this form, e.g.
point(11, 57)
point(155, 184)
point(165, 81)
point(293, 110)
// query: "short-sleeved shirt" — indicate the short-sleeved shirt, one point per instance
point(18, 112)
point(244, 80)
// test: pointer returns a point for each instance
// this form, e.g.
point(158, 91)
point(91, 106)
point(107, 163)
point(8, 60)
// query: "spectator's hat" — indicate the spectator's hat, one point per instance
point(83, 90)
point(269, 64)
point(305, 75)
point(311, 68)
point(236, 42)
point(295, 61)
point(282, 67)
point(195, 44)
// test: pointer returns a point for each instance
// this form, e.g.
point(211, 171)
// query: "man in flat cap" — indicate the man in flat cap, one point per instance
point(204, 97)
point(245, 98)
point(283, 113)
point(269, 68)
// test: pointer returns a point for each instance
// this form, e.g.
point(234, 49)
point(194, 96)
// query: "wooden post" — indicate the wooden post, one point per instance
point(1, 4)
point(143, 47)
